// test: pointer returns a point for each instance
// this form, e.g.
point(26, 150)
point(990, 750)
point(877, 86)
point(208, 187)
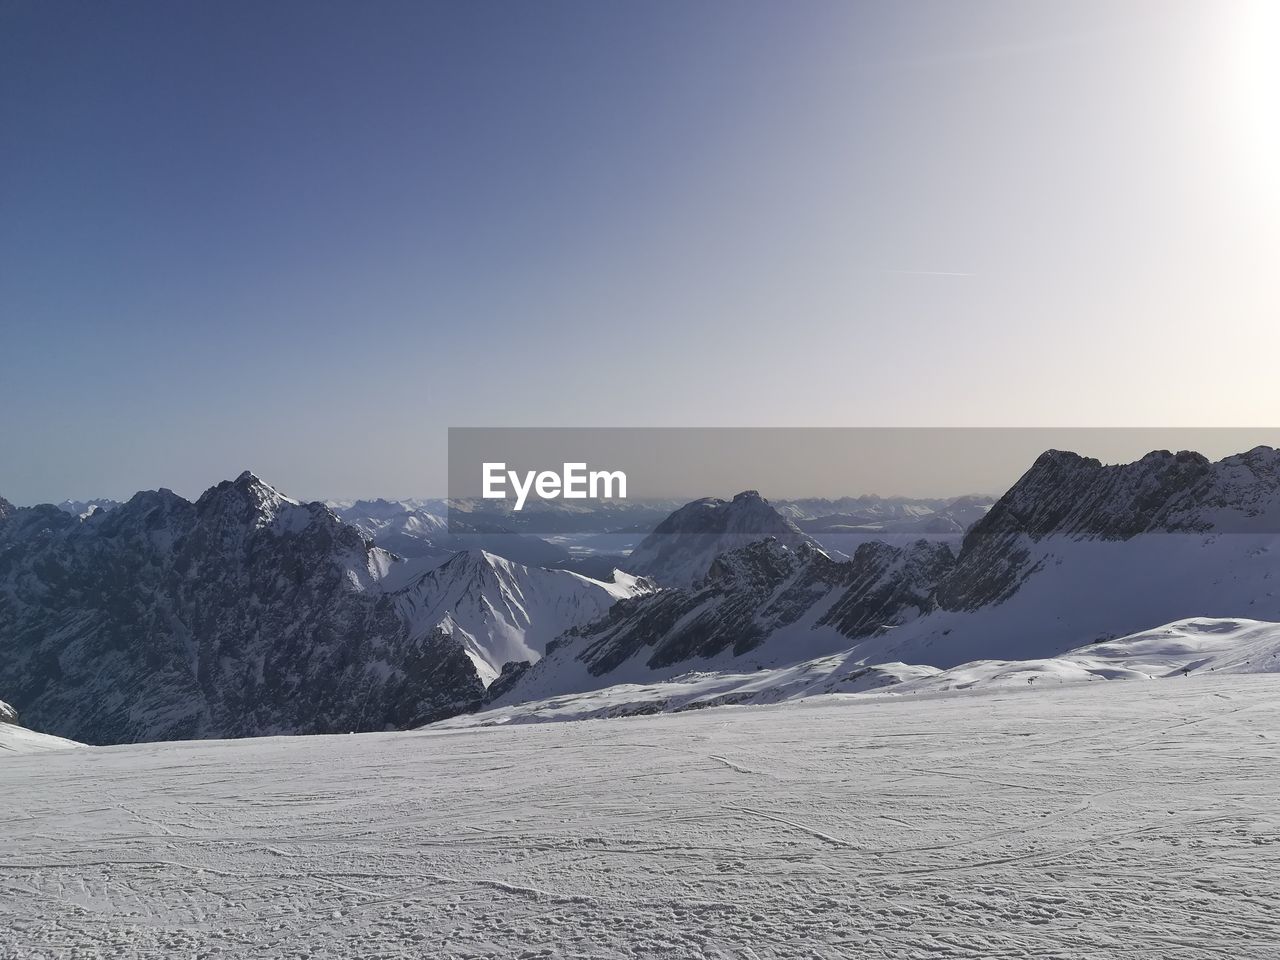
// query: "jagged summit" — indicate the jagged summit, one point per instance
point(1067, 494)
point(682, 547)
point(501, 611)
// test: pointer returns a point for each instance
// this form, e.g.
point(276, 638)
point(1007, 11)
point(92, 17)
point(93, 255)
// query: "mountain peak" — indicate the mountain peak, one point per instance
point(250, 501)
point(682, 547)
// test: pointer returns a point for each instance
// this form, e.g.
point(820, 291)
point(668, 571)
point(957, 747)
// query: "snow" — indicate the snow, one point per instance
point(16, 740)
point(1200, 644)
point(502, 611)
point(699, 690)
point(1085, 590)
point(1092, 820)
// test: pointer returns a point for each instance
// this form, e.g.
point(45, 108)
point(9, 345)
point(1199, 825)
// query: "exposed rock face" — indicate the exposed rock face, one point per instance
point(768, 600)
point(681, 549)
point(1065, 495)
point(243, 613)
point(888, 584)
point(511, 673)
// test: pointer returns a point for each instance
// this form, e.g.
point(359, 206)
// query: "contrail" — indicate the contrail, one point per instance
point(931, 273)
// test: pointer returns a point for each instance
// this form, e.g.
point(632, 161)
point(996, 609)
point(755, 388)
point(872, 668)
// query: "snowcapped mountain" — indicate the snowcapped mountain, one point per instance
point(250, 613)
point(682, 547)
point(764, 604)
point(243, 613)
point(82, 508)
point(698, 690)
point(500, 611)
point(1079, 551)
point(1074, 553)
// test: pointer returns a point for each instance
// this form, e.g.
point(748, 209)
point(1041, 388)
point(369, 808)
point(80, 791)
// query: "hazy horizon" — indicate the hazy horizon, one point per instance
point(781, 463)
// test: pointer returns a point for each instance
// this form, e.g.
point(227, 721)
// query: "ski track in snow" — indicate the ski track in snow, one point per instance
point(1101, 820)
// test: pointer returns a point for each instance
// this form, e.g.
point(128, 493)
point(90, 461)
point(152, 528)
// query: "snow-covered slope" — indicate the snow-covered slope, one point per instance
point(681, 549)
point(16, 739)
point(501, 611)
point(1104, 820)
point(699, 690)
point(1197, 646)
point(1079, 551)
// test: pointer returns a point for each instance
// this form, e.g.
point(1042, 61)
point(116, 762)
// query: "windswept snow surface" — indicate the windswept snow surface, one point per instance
point(1199, 645)
point(18, 739)
point(699, 690)
point(1105, 820)
point(1196, 645)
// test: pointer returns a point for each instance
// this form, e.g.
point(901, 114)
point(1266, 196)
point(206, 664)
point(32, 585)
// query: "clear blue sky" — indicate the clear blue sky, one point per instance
point(306, 237)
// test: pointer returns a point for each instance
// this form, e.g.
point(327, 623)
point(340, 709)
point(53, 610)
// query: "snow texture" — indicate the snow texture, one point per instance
point(1195, 646)
point(1105, 820)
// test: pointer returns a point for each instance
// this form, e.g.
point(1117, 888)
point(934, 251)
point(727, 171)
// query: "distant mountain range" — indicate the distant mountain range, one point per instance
point(247, 612)
point(1075, 552)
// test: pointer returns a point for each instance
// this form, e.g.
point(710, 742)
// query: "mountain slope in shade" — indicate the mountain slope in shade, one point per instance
point(1078, 551)
point(1067, 497)
point(244, 613)
point(500, 611)
point(681, 549)
point(761, 605)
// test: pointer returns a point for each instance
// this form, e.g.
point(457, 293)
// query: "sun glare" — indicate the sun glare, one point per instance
point(1252, 100)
